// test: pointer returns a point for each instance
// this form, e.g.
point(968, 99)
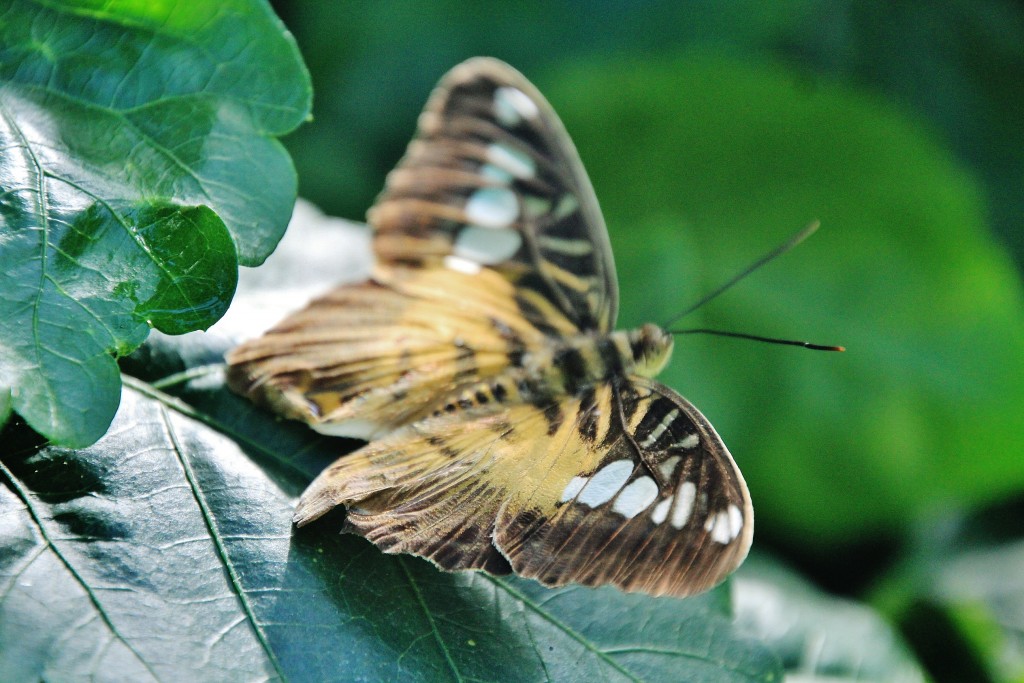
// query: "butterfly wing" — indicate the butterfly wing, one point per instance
point(488, 238)
point(613, 525)
point(556, 493)
point(370, 357)
point(492, 179)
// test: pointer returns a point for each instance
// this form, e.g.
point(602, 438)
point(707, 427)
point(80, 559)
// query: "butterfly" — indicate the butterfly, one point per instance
point(510, 427)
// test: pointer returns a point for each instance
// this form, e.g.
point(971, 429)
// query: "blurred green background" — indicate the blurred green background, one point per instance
point(711, 132)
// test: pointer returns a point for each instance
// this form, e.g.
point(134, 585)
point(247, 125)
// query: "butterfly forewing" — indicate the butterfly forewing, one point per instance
point(492, 180)
point(441, 310)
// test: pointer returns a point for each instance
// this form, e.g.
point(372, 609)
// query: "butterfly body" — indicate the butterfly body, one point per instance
point(568, 365)
point(511, 428)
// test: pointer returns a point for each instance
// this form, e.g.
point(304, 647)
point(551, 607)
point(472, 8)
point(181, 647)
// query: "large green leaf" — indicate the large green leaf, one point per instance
point(165, 552)
point(923, 407)
point(138, 157)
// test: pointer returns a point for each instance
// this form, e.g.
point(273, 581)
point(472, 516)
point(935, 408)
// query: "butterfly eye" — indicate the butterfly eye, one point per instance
point(651, 347)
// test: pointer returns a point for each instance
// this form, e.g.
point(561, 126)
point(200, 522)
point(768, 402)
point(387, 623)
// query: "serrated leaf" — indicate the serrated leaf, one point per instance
point(121, 121)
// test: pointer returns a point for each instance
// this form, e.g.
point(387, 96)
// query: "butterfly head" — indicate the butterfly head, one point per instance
point(651, 347)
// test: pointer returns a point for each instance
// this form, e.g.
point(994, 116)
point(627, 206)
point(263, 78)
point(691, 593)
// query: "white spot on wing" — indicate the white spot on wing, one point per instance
point(572, 488)
point(684, 504)
point(656, 433)
point(492, 207)
point(669, 466)
point(688, 441)
point(605, 483)
point(735, 521)
point(354, 429)
point(486, 245)
point(566, 205)
point(495, 173)
point(566, 246)
point(718, 525)
point(636, 497)
point(534, 207)
point(511, 106)
point(660, 511)
point(726, 525)
point(511, 160)
point(461, 265)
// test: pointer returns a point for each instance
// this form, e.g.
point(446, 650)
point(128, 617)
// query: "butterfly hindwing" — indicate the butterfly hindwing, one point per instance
point(557, 493)
point(614, 523)
point(492, 180)
point(428, 489)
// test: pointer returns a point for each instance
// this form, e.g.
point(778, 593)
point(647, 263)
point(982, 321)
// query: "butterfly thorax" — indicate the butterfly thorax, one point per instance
point(572, 363)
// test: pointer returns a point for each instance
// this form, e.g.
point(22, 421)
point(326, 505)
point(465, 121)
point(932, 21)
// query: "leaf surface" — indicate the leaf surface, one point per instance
point(818, 636)
point(166, 550)
point(139, 166)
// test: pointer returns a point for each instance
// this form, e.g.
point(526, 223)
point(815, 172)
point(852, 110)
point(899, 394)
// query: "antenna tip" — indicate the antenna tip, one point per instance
point(820, 347)
point(808, 230)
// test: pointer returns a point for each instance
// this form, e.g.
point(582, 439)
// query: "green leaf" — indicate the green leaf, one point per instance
point(703, 164)
point(120, 123)
point(166, 273)
point(817, 636)
point(165, 551)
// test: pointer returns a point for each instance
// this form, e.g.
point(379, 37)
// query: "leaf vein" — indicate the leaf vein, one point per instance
point(101, 611)
point(569, 631)
point(179, 406)
point(222, 552)
point(430, 619)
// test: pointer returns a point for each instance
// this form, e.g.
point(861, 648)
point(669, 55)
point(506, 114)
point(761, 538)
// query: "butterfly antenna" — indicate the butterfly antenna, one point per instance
point(769, 340)
point(770, 256)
